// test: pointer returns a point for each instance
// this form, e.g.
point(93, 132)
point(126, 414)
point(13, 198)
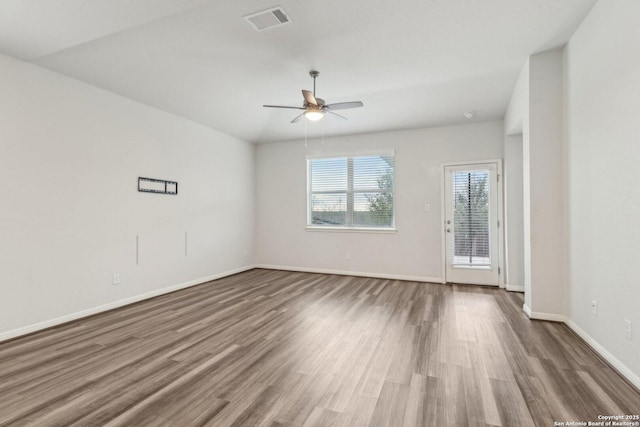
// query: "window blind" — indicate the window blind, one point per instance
point(355, 192)
point(471, 244)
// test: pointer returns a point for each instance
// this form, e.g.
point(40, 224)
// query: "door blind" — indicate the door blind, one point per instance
point(471, 245)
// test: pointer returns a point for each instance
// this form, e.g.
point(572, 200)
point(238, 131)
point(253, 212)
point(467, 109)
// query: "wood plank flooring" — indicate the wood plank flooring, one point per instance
point(274, 348)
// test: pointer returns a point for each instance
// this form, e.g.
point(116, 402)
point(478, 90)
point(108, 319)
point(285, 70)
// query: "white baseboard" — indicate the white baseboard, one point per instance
point(605, 354)
point(514, 288)
point(552, 317)
point(352, 273)
point(110, 306)
point(537, 315)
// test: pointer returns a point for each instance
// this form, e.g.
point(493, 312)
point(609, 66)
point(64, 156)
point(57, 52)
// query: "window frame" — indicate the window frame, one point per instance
point(350, 194)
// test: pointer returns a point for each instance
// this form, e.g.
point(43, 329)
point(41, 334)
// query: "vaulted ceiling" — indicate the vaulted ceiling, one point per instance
point(414, 63)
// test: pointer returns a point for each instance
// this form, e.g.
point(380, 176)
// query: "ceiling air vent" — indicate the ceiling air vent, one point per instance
point(269, 18)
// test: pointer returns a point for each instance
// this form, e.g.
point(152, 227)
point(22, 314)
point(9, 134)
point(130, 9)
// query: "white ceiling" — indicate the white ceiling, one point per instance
point(414, 63)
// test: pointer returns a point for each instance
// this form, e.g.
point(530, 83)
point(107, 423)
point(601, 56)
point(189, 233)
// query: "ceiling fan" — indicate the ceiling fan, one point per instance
point(314, 108)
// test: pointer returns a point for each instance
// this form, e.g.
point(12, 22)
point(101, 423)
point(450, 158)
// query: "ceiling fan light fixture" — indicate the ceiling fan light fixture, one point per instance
point(314, 115)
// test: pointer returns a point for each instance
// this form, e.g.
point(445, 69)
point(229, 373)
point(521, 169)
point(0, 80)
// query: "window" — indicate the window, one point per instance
point(351, 192)
point(471, 244)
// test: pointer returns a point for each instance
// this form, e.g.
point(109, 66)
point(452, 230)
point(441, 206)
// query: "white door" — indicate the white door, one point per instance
point(471, 224)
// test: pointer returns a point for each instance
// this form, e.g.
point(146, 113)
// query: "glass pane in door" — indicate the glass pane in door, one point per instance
point(471, 241)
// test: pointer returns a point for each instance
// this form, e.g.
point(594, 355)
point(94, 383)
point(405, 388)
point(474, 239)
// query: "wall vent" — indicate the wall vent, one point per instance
point(269, 18)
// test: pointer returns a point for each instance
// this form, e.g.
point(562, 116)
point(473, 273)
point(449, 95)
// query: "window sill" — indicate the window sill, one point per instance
point(353, 229)
point(473, 267)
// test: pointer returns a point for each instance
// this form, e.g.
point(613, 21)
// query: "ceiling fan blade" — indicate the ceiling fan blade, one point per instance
point(335, 114)
point(345, 105)
point(282, 106)
point(308, 96)
point(297, 119)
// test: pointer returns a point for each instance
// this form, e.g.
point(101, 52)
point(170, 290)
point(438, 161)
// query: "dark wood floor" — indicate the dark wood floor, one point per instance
point(275, 348)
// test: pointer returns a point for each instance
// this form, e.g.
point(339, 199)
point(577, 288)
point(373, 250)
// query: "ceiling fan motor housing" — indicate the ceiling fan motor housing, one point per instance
point(320, 102)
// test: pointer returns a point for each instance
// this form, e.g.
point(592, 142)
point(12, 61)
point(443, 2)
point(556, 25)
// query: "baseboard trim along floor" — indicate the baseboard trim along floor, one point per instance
point(116, 304)
point(426, 279)
point(615, 363)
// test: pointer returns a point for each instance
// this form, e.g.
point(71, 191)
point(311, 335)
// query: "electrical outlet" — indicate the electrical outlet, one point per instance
point(116, 278)
point(627, 329)
point(347, 256)
point(594, 307)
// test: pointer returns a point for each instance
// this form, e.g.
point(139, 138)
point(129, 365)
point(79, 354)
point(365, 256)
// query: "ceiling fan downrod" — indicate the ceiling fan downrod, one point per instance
point(314, 74)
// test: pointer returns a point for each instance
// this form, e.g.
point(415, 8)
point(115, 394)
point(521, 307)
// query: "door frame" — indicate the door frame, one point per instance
point(500, 214)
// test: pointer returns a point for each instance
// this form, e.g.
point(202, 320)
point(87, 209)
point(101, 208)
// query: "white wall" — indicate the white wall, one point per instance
point(536, 112)
point(514, 224)
point(415, 250)
point(70, 155)
point(544, 187)
point(518, 108)
point(516, 122)
point(602, 89)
